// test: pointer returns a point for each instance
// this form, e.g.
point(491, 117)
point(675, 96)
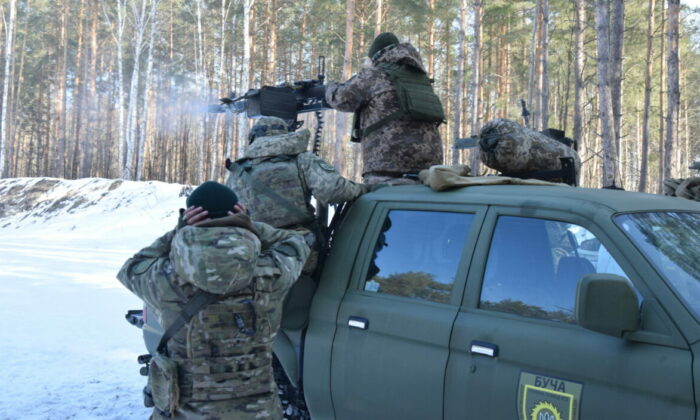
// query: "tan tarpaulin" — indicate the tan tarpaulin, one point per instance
point(443, 177)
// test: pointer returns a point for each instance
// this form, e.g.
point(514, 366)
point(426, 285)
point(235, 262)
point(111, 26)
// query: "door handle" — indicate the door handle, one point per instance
point(483, 348)
point(358, 322)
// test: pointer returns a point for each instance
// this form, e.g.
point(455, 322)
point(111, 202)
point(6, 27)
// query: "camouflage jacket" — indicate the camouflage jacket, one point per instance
point(282, 164)
point(224, 372)
point(401, 146)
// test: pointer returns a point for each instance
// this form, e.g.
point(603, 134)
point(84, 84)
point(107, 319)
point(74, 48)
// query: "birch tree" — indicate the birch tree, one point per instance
point(245, 77)
point(9, 44)
point(117, 31)
point(143, 133)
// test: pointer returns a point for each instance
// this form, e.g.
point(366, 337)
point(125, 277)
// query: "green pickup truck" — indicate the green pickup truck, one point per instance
point(505, 302)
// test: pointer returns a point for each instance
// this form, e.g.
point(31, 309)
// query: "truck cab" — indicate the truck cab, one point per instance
point(471, 303)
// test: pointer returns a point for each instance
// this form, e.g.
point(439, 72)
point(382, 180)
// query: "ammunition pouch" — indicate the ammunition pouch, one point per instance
point(163, 378)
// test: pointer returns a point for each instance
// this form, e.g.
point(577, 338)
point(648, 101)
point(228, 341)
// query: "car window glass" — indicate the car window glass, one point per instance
point(417, 254)
point(534, 266)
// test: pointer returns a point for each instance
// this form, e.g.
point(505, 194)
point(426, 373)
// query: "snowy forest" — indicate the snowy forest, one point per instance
point(119, 88)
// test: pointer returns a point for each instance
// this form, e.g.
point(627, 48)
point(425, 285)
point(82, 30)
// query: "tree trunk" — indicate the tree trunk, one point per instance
point(431, 38)
point(476, 82)
point(60, 109)
point(9, 42)
point(77, 93)
point(542, 79)
point(617, 32)
point(644, 164)
point(378, 18)
point(339, 159)
point(139, 17)
point(532, 68)
point(245, 77)
point(610, 163)
point(144, 132)
point(674, 94)
point(272, 41)
point(660, 174)
point(459, 80)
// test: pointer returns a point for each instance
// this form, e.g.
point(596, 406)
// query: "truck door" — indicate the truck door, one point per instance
point(516, 351)
point(393, 328)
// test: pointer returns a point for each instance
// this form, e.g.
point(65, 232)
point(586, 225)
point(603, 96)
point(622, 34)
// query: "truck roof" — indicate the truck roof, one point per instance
point(555, 197)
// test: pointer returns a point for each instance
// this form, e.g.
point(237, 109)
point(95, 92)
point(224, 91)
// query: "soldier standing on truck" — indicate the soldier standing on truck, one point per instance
point(396, 113)
point(217, 288)
point(276, 178)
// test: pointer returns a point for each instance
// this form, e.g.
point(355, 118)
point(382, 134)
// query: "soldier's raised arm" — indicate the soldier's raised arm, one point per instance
point(352, 94)
point(138, 272)
point(325, 183)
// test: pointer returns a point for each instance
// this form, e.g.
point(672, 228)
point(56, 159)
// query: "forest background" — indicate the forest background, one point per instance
point(119, 88)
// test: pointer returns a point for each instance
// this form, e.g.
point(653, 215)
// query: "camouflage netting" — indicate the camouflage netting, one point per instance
point(508, 147)
point(683, 187)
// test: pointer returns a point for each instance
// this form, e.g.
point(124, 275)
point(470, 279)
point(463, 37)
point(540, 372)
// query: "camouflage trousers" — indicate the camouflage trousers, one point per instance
point(388, 180)
point(264, 406)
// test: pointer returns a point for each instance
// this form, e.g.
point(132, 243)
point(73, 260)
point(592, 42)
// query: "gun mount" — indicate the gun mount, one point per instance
point(285, 100)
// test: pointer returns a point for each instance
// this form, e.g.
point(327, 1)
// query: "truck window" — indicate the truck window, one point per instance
point(417, 254)
point(534, 266)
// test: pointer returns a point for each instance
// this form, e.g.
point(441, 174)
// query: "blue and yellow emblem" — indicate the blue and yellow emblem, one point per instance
point(543, 397)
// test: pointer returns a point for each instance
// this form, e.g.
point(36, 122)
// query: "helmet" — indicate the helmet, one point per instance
point(267, 126)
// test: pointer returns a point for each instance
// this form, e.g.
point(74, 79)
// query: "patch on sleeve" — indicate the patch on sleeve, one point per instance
point(143, 266)
point(326, 166)
point(543, 397)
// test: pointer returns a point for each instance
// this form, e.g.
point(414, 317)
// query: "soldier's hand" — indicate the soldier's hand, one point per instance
point(194, 216)
point(238, 208)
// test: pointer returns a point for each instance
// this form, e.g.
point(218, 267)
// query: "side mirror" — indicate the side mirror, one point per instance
point(606, 303)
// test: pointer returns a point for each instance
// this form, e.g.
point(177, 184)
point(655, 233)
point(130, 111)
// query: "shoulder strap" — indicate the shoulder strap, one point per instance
point(196, 303)
point(245, 172)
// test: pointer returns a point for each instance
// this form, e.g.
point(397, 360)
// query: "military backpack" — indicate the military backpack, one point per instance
point(417, 100)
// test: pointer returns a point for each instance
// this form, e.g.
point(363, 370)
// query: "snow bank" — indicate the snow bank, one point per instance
point(67, 352)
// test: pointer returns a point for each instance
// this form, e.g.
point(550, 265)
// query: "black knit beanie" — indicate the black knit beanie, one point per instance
point(382, 41)
point(213, 197)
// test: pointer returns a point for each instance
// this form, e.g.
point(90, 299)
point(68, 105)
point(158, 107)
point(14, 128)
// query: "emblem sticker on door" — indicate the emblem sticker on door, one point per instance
point(543, 397)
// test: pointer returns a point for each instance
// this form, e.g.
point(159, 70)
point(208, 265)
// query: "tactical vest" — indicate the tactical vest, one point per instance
point(272, 190)
point(417, 100)
point(229, 352)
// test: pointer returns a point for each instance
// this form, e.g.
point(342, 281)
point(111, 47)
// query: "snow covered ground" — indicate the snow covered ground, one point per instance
point(66, 351)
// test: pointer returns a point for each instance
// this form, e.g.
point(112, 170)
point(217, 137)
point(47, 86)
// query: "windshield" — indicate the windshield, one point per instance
point(671, 241)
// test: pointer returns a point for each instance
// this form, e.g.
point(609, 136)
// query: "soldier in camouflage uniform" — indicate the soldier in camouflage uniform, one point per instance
point(276, 178)
point(223, 353)
point(403, 146)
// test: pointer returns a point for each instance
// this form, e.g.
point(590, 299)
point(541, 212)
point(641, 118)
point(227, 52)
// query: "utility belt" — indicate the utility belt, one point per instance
point(392, 174)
